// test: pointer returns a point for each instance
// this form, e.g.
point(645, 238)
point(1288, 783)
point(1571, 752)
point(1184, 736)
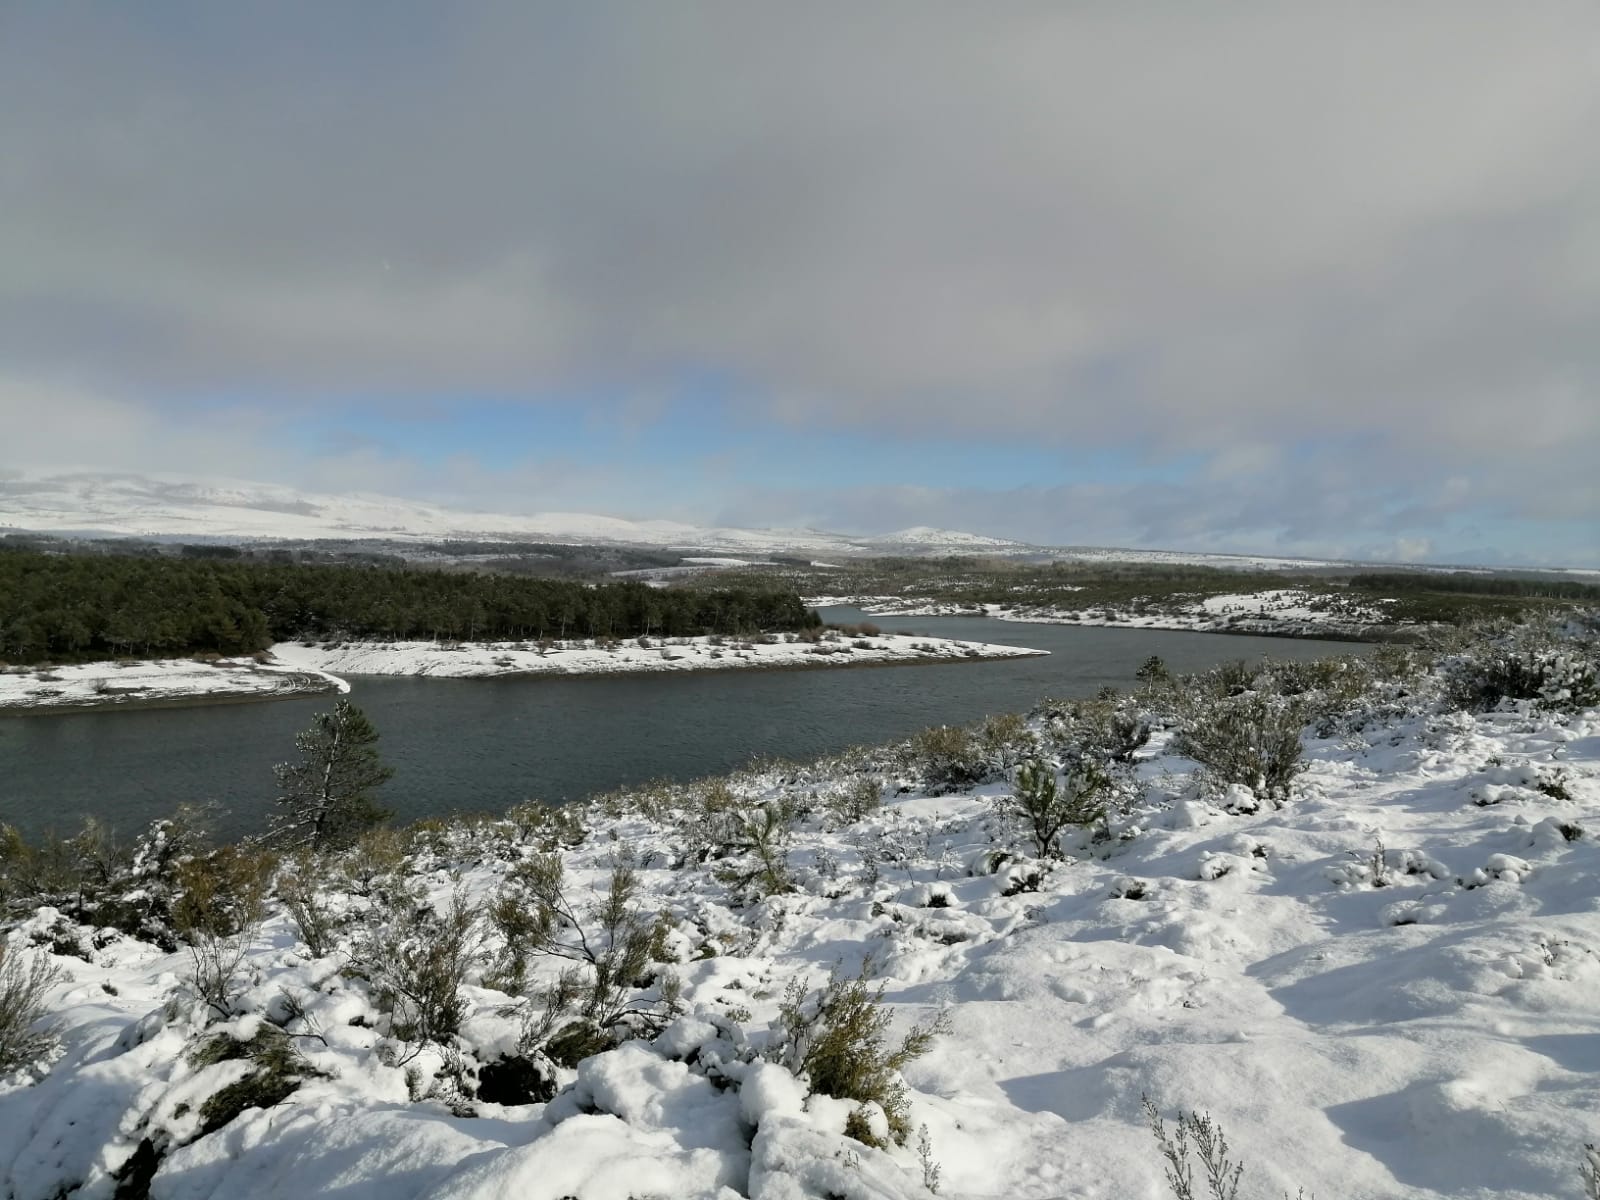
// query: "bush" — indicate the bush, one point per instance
point(1251, 739)
point(302, 888)
point(757, 850)
point(855, 800)
point(418, 960)
point(25, 983)
point(611, 947)
point(1559, 674)
point(835, 1039)
point(220, 906)
point(1045, 804)
point(1205, 1136)
point(946, 758)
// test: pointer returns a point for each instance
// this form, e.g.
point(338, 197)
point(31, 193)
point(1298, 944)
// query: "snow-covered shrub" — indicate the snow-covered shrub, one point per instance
point(1046, 803)
point(836, 1040)
point(945, 758)
point(613, 949)
point(303, 889)
point(1252, 739)
point(25, 983)
point(1004, 740)
point(756, 862)
point(1526, 664)
point(417, 960)
point(277, 1070)
point(220, 906)
point(853, 801)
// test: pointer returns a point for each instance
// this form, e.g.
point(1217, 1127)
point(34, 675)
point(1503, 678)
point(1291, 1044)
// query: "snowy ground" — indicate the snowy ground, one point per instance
point(296, 668)
point(657, 654)
point(1292, 611)
point(1385, 988)
point(128, 684)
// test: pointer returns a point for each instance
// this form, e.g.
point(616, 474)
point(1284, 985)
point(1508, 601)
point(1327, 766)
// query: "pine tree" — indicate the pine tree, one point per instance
point(326, 797)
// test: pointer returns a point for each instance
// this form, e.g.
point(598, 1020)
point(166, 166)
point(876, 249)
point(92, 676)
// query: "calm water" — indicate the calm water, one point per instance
point(484, 744)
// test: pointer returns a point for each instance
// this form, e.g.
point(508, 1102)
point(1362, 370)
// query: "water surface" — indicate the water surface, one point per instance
point(484, 744)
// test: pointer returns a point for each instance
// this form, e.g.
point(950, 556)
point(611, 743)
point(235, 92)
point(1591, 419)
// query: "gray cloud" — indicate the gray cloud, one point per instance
point(1166, 226)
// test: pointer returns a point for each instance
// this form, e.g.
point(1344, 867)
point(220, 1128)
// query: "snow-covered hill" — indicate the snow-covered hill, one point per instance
point(144, 506)
point(1381, 987)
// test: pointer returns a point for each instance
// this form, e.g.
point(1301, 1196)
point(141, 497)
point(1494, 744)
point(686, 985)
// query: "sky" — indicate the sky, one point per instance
point(1314, 279)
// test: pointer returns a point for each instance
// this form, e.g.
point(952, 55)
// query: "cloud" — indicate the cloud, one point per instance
point(1178, 230)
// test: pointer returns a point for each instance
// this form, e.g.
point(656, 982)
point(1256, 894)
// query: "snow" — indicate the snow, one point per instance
point(293, 667)
point(230, 510)
point(1383, 988)
point(130, 682)
point(1294, 611)
point(478, 659)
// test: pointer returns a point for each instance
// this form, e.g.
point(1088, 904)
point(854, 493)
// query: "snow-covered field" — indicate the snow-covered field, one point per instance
point(129, 683)
point(1293, 611)
point(295, 667)
point(1385, 987)
point(589, 658)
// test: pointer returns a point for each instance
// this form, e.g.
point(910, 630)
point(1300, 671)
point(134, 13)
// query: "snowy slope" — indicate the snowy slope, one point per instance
point(141, 506)
point(1384, 989)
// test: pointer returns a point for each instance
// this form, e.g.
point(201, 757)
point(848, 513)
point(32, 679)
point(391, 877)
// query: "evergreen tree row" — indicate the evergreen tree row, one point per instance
point(66, 608)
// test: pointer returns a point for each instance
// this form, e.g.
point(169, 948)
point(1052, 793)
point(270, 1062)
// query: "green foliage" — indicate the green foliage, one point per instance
point(836, 1039)
point(1046, 804)
point(279, 1071)
point(756, 848)
point(853, 801)
point(60, 607)
point(1527, 663)
point(946, 758)
point(25, 983)
point(1252, 739)
point(326, 798)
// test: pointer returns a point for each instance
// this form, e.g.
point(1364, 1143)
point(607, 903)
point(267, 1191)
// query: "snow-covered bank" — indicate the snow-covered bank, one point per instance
point(1279, 612)
point(1383, 987)
point(130, 684)
point(475, 659)
point(294, 668)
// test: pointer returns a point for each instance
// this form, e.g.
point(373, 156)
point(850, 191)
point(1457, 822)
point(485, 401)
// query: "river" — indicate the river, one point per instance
point(484, 744)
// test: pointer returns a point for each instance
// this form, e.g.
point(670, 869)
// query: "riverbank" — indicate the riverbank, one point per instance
point(156, 683)
point(297, 668)
point(466, 660)
point(1280, 612)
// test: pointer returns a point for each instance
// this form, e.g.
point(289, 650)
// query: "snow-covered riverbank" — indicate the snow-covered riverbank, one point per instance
point(135, 684)
point(1383, 987)
point(1281, 612)
point(292, 667)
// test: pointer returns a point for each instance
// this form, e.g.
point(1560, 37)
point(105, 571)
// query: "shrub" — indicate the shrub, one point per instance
point(853, 801)
point(1525, 666)
point(836, 1040)
point(757, 849)
point(1199, 1132)
point(1045, 804)
point(25, 983)
point(220, 906)
point(279, 1070)
point(946, 758)
point(302, 889)
point(418, 960)
point(1250, 739)
point(611, 946)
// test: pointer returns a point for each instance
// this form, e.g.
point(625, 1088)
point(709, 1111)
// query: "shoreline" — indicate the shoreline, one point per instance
point(301, 670)
point(1235, 621)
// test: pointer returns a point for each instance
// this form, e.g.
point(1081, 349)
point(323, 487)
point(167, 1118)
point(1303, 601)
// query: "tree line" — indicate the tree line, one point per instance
point(1391, 583)
point(69, 608)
